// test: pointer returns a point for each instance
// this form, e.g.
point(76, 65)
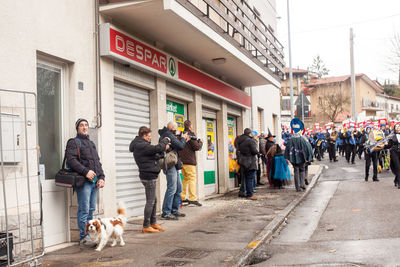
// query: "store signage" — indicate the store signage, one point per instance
point(125, 48)
point(137, 51)
point(176, 112)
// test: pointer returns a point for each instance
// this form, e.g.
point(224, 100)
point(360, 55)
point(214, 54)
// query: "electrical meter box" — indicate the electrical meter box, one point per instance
point(11, 138)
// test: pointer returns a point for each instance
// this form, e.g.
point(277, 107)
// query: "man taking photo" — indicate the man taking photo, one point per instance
point(188, 158)
point(147, 157)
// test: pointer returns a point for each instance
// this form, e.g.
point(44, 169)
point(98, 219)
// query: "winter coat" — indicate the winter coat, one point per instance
point(89, 158)
point(267, 148)
point(147, 157)
point(298, 150)
point(247, 152)
point(262, 144)
point(176, 144)
point(188, 155)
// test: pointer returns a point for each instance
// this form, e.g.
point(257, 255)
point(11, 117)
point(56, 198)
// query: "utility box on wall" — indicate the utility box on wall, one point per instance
point(11, 138)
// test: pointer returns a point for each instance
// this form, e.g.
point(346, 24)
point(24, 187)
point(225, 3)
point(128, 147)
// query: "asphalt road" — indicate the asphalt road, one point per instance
point(344, 221)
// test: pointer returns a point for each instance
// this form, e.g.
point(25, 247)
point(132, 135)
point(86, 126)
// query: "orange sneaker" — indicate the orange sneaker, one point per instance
point(149, 230)
point(156, 226)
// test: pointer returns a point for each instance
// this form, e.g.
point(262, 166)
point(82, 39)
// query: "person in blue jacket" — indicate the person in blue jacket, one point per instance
point(350, 144)
point(319, 146)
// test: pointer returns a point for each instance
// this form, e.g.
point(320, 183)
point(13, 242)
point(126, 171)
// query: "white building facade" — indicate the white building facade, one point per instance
point(122, 65)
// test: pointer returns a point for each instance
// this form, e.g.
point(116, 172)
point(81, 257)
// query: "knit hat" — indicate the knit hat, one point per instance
point(79, 122)
point(297, 125)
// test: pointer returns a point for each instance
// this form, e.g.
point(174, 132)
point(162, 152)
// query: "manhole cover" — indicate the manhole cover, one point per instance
point(171, 263)
point(188, 253)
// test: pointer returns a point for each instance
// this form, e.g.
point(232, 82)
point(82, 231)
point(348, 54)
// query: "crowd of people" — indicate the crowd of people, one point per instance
point(175, 153)
point(376, 143)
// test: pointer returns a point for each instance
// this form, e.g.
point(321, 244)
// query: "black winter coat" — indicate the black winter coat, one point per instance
point(176, 144)
point(89, 158)
point(247, 147)
point(147, 157)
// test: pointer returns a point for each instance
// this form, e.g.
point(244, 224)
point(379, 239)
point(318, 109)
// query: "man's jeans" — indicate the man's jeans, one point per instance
point(87, 198)
point(151, 202)
point(172, 198)
point(250, 181)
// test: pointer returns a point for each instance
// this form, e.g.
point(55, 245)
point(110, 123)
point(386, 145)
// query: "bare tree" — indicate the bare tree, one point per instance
point(332, 103)
point(394, 59)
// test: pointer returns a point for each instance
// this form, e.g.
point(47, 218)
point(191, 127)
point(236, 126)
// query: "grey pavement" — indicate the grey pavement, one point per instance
point(211, 235)
point(344, 221)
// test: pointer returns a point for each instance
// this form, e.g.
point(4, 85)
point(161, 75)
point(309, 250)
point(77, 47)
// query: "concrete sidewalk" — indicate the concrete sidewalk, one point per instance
point(211, 235)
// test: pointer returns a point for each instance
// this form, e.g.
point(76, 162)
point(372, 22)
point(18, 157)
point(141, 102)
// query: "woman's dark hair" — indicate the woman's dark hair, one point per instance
point(144, 131)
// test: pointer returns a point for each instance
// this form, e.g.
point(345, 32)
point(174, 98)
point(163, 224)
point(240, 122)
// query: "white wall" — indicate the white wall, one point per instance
point(61, 31)
point(267, 9)
point(266, 97)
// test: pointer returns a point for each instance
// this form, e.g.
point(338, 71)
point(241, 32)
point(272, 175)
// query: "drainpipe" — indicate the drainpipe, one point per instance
point(98, 70)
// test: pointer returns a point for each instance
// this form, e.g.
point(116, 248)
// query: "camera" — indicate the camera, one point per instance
point(192, 137)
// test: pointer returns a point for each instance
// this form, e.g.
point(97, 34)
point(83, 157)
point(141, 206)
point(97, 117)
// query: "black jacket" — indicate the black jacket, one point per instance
point(176, 144)
point(247, 148)
point(89, 158)
point(147, 157)
point(268, 146)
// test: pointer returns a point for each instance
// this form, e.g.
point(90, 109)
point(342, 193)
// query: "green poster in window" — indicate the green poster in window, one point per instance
point(176, 112)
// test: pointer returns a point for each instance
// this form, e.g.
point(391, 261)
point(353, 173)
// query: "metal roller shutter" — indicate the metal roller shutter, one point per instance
point(132, 110)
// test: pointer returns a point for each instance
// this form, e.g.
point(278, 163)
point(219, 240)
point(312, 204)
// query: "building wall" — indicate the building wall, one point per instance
point(363, 90)
point(267, 98)
point(267, 11)
point(321, 92)
point(60, 31)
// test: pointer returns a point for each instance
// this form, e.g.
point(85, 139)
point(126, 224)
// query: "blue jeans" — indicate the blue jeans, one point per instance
point(87, 198)
point(172, 198)
point(250, 178)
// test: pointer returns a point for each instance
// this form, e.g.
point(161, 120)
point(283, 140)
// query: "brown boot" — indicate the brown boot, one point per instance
point(149, 230)
point(252, 198)
point(157, 227)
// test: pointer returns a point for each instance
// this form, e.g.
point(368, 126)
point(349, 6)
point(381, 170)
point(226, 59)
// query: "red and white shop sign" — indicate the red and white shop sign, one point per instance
point(135, 50)
point(125, 48)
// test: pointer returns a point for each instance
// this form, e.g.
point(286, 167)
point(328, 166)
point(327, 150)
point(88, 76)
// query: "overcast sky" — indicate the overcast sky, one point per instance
point(322, 27)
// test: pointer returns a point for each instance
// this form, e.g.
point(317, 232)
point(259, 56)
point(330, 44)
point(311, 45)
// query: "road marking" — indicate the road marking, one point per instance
point(349, 169)
point(253, 244)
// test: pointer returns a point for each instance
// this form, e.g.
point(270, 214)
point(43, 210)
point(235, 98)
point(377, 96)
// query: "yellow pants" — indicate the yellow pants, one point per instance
point(189, 179)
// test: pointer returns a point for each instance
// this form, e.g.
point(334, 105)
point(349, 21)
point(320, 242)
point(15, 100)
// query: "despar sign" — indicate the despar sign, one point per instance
point(137, 51)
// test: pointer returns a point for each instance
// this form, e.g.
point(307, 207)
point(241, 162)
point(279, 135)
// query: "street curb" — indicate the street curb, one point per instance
point(269, 230)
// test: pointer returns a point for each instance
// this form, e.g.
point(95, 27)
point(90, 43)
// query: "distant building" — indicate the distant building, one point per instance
point(367, 90)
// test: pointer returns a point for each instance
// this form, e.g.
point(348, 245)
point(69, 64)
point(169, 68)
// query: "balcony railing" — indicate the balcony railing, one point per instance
point(239, 24)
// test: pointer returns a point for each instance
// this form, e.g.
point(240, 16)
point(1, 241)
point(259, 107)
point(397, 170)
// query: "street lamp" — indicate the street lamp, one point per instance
point(290, 64)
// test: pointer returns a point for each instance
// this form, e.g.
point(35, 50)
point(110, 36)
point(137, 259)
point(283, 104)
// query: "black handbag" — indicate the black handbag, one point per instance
point(68, 178)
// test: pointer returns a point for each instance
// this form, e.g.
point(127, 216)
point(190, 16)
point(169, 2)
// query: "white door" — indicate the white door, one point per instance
point(50, 130)
point(132, 110)
point(210, 156)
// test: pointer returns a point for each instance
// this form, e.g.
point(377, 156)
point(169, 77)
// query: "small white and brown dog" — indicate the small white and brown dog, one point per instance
point(103, 230)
